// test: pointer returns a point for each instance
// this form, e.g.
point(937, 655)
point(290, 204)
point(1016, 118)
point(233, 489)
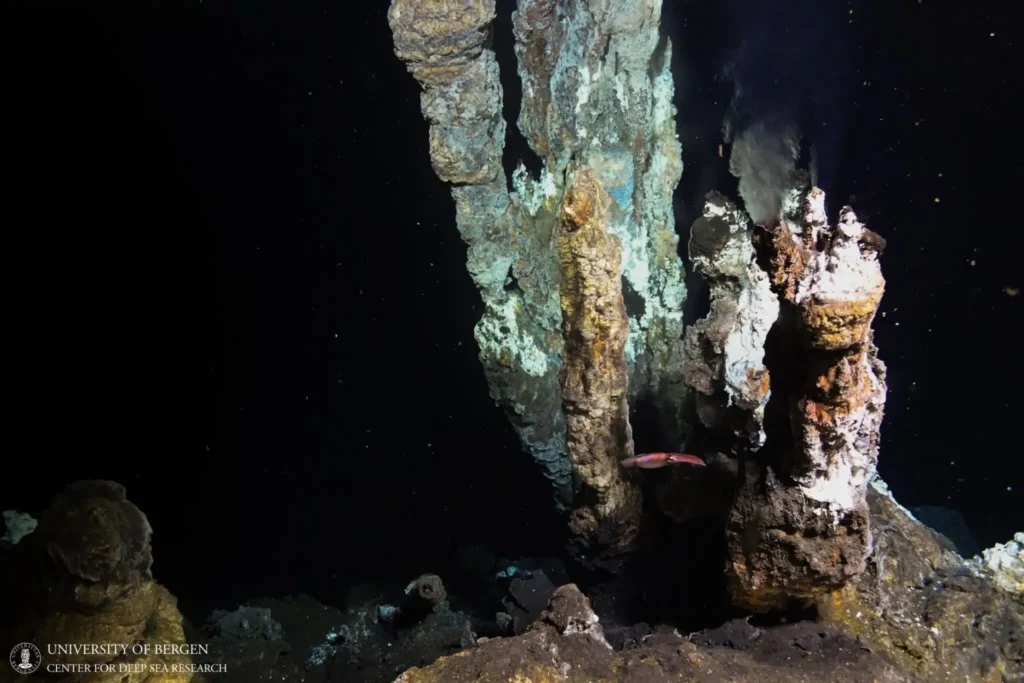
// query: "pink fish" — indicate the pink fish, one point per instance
point(650, 461)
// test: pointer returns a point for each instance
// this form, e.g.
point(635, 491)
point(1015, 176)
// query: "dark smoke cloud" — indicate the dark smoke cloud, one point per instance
point(763, 156)
point(791, 74)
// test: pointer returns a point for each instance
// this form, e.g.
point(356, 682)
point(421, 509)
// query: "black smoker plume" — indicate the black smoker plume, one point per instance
point(791, 69)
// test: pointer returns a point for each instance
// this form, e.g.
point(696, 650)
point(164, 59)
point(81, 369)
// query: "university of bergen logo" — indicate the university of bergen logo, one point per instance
point(26, 658)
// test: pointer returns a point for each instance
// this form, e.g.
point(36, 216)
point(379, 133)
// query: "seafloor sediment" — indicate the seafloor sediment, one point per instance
point(919, 612)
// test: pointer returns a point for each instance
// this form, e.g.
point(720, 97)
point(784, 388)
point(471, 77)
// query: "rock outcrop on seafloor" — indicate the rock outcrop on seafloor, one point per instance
point(527, 598)
point(83, 577)
point(798, 527)
point(942, 618)
point(567, 645)
point(606, 514)
point(918, 613)
point(597, 90)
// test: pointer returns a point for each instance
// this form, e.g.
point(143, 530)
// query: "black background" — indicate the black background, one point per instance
point(234, 284)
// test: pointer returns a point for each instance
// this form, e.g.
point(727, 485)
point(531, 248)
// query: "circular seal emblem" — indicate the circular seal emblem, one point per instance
point(26, 658)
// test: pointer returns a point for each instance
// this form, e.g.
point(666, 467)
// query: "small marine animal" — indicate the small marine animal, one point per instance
point(651, 461)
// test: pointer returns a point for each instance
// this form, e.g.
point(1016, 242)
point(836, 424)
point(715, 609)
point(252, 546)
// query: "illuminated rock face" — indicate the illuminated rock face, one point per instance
point(605, 518)
point(597, 88)
point(725, 351)
point(799, 524)
point(509, 235)
point(597, 95)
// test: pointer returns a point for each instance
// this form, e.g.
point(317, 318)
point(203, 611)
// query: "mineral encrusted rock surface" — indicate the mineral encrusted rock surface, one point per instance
point(17, 525)
point(594, 377)
point(723, 360)
point(597, 92)
point(926, 608)
point(799, 524)
point(919, 613)
point(597, 87)
point(1003, 564)
point(84, 577)
point(567, 645)
point(443, 45)
point(724, 352)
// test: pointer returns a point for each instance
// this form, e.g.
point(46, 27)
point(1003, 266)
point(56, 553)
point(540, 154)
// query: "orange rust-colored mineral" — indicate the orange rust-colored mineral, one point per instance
point(798, 527)
point(594, 374)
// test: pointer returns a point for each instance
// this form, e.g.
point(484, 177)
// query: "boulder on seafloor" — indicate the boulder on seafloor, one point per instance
point(245, 623)
point(17, 525)
point(527, 597)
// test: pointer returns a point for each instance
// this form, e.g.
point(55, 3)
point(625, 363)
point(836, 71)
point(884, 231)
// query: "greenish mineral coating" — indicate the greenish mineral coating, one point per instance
point(597, 91)
point(18, 525)
point(597, 88)
point(444, 45)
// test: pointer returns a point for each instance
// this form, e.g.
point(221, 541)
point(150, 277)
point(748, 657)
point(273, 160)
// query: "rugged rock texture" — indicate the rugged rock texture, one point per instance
point(596, 89)
point(941, 618)
point(423, 595)
point(782, 551)
point(606, 515)
point(510, 256)
point(799, 525)
point(300, 640)
point(84, 577)
point(1003, 565)
point(724, 352)
point(919, 613)
point(568, 646)
point(526, 600)
point(17, 525)
point(723, 362)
